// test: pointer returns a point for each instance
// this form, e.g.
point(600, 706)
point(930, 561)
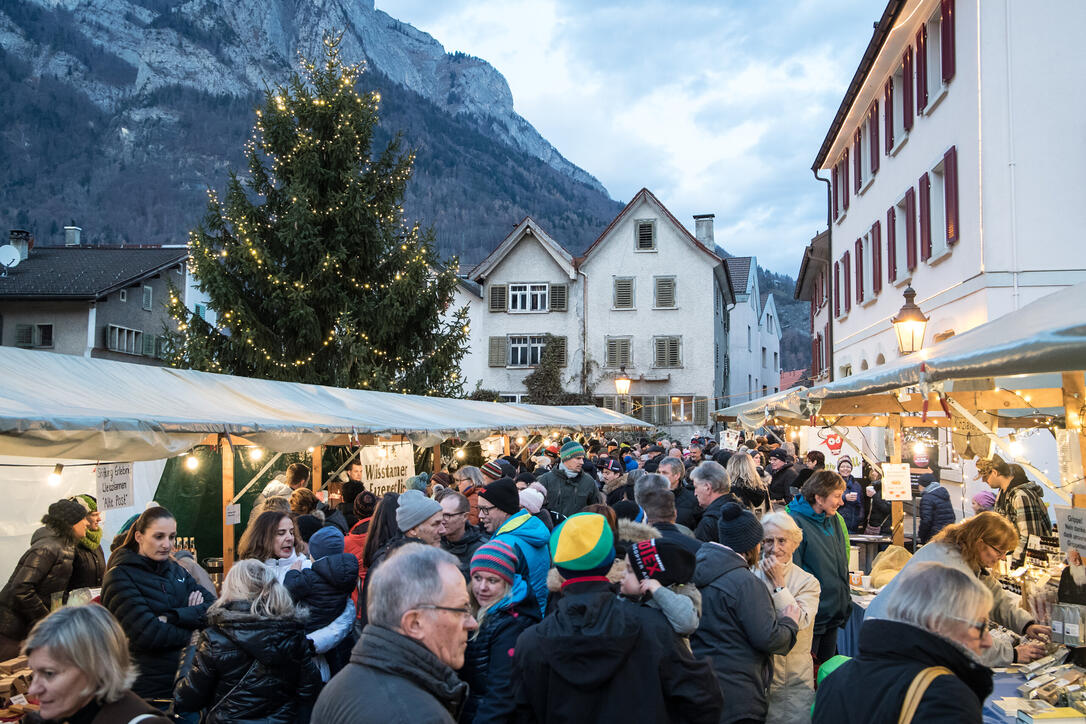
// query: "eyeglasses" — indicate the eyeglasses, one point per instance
point(998, 552)
point(450, 516)
point(464, 612)
point(980, 626)
point(486, 509)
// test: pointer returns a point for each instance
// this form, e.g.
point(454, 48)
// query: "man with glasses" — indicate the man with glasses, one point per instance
point(500, 513)
point(419, 622)
point(460, 539)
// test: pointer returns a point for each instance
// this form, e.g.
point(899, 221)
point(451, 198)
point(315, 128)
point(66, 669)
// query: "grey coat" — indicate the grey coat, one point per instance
point(739, 631)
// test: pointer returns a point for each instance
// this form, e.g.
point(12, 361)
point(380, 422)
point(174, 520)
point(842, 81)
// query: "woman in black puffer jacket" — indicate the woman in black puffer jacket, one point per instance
point(505, 607)
point(156, 601)
point(42, 571)
point(253, 662)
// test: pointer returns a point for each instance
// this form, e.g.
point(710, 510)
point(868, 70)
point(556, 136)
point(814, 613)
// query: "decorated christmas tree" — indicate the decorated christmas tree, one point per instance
point(312, 271)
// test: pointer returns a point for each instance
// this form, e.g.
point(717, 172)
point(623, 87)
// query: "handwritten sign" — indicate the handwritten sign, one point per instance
point(114, 486)
point(386, 468)
point(1072, 524)
point(233, 514)
point(896, 484)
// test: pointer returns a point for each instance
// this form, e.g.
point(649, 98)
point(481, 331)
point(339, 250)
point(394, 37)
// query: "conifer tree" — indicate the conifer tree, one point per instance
point(310, 266)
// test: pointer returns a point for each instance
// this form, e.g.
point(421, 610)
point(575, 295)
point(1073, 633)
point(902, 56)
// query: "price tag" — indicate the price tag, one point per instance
point(1072, 630)
point(1034, 542)
point(1057, 626)
point(19, 699)
point(233, 514)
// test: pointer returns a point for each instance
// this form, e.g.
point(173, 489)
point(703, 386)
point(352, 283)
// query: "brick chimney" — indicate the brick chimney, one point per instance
point(22, 241)
point(703, 229)
point(72, 235)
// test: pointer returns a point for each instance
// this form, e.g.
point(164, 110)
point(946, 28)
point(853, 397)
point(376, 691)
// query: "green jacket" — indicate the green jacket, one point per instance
point(567, 496)
point(824, 554)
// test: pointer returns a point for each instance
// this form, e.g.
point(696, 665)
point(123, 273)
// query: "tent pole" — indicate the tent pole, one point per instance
point(505, 444)
point(435, 454)
point(1074, 398)
point(227, 449)
point(316, 474)
point(896, 511)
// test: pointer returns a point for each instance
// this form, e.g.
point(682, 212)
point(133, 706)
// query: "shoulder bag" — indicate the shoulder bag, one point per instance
point(920, 684)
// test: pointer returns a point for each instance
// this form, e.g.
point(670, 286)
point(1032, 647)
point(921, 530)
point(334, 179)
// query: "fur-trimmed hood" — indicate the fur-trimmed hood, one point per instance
point(615, 484)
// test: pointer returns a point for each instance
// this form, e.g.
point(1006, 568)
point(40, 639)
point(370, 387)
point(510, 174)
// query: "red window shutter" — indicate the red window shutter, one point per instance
point(835, 182)
point(907, 90)
point(888, 114)
point(846, 277)
point(837, 289)
point(873, 128)
point(891, 244)
point(876, 258)
point(910, 228)
point(921, 68)
point(844, 180)
point(814, 356)
point(859, 271)
point(925, 217)
point(827, 352)
point(950, 190)
point(946, 38)
point(857, 160)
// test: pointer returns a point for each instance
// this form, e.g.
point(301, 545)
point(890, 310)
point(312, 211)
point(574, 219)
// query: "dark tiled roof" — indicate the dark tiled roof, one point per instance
point(739, 270)
point(84, 272)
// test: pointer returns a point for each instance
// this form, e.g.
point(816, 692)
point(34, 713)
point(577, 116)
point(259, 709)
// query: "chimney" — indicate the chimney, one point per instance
point(22, 241)
point(71, 235)
point(703, 229)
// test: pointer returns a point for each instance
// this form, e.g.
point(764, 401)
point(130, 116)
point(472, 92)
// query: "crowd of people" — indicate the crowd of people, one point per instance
point(595, 581)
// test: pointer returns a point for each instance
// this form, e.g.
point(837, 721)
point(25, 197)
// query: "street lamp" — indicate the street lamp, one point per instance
point(909, 324)
point(622, 382)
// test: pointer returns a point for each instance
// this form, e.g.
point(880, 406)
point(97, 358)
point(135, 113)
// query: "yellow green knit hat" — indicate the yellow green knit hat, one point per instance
point(583, 544)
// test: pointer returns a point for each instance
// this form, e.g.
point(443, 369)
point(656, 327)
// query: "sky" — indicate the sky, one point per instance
point(716, 106)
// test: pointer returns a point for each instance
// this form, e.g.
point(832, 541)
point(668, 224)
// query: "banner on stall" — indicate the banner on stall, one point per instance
point(729, 439)
point(114, 486)
point(896, 482)
point(1072, 528)
point(832, 444)
point(386, 468)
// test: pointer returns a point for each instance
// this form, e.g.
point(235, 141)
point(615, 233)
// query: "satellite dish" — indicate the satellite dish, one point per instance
point(9, 257)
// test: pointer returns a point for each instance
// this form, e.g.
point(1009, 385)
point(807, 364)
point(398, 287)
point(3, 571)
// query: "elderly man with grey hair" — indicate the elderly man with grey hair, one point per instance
point(403, 668)
point(712, 490)
point(686, 505)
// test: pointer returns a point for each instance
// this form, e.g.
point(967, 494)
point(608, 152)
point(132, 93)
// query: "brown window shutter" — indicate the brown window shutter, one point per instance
point(499, 352)
point(561, 344)
point(610, 357)
point(910, 228)
point(925, 217)
point(921, 68)
point(559, 294)
point(837, 289)
point(623, 352)
point(844, 180)
point(876, 258)
point(888, 113)
point(834, 184)
point(624, 293)
point(907, 90)
point(859, 246)
point(646, 236)
point(946, 39)
point(846, 274)
point(665, 292)
point(701, 411)
point(857, 159)
point(674, 352)
point(891, 244)
point(873, 125)
point(662, 409)
point(499, 297)
point(950, 190)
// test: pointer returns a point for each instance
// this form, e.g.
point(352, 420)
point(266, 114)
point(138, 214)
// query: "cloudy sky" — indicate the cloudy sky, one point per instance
point(717, 106)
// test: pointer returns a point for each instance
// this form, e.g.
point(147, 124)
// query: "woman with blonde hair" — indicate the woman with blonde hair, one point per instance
point(82, 669)
point(253, 662)
point(747, 485)
point(975, 545)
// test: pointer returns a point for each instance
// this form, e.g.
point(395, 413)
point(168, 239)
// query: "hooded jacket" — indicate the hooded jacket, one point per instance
point(391, 679)
point(824, 554)
point(870, 689)
point(566, 495)
point(137, 590)
point(739, 631)
point(488, 660)
point(936, 512)
point(531, 538)
point(618, 489)
point(44, 569)
point(602, 658)
point(465, 548)
point(780, 487)
point(246, 668)
point(88, 565)
point(323, 587)
point(877, 510)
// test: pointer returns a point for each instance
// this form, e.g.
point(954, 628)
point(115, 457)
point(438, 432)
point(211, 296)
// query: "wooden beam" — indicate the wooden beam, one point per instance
point(436, 455)
point(897, 513)
point(991, 400)
point(505, 444)
point(1074, 398)
point(227, 449)
point(316, 472)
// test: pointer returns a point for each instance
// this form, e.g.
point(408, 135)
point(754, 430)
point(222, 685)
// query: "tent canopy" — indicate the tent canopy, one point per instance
point(55, 405)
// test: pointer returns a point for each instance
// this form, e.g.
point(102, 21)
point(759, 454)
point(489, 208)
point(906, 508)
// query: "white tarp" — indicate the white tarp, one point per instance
point(756, 413)
point(63, 406)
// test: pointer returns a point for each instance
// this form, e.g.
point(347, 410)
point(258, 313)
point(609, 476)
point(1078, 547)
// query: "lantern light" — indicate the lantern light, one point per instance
point(54, 477)
point(910, 324)
point(622, 382)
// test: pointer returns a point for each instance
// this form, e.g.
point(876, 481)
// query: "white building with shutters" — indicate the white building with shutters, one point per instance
point(753, 361)
point(956, 166)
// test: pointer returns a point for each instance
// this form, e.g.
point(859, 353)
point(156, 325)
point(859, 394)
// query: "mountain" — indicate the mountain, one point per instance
point(121, 113)
point(795, 319)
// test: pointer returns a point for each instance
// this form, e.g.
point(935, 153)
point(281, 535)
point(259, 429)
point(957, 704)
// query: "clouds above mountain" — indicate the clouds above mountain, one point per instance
point(717, 106)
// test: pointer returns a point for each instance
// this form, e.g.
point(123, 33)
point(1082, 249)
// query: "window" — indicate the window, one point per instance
point(147, 298)
point(763, 357)
point(499, 295)
point(148, 345)
point(122, 295)
point(525, 351)
point(901, 238)
point(160, 347)
point(24, 335)
point(776, 362)
point(769, 322)
point(201, 311)
point(645, 235)
point(668, 352)
point(44, 335)
point(528, 297)
point(897, 107)
point(665, 292)
point(617, 352)
point(939, 208)
point(122, 339)
point(682, 409)
point(623, 293)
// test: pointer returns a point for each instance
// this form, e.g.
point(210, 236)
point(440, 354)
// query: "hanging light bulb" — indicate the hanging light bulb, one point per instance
point(1017, 449)
point(459, 454)
point(520, 441)
point(256, 453)
point(54, 477)
point(919, 448)
point(192, 462)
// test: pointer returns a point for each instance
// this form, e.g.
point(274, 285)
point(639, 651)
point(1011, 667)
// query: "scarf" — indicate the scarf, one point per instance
point(569, 473)
point(92, 541)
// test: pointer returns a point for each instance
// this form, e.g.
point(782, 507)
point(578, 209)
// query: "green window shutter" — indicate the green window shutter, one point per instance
point(609, 402)
point(701, 411)
point(611, 355)
point(674, 352)
point(148, 344)
point(660, 352)
point(624, 293)
point(559, 298)
point(24, 335)
point(624, 352)
point(499, 353)
point(561, 343)
point(499, 294)
point(665, 292)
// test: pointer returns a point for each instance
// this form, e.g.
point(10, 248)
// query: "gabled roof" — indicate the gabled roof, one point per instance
point(791, 378)
point(527, 226)
point(770, 301)
point(646, 195)
point(79, 272)
point(739, 271)
point(815, 256)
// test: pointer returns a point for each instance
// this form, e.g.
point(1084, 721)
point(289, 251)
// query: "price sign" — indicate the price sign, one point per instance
point(1072, 528)
point(896, 484)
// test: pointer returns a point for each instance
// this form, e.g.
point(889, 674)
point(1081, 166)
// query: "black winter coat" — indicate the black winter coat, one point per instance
point(708, 528)
point(465, 548)
point(877, 510)
point(44, 569)
point(88, 567)
point(686, 507)
point(870, 688)
point(600, 658)
point(380, 555)
point(323, 588)
point(137, 590)
point(488, 659)
point(936, 513)
point(246, 668)
point(739, 631)
point(782, 482)
point(391, 679)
